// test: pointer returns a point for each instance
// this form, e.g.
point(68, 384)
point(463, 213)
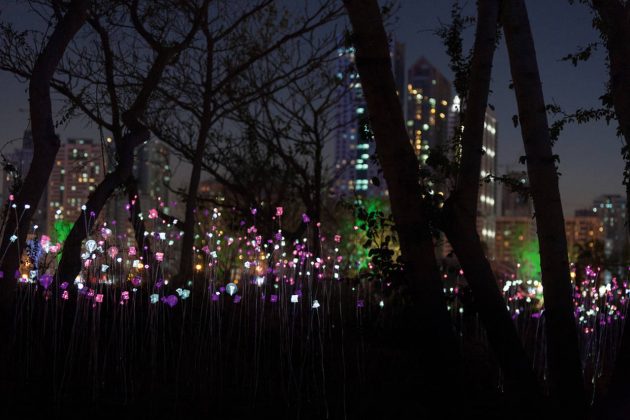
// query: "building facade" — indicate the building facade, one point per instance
point(582, 231)
point(153, 173)
point(354, 146)
point(78, 170)
point(487, 205)
point(513, 233)
point(611, 211)
point(427, 103)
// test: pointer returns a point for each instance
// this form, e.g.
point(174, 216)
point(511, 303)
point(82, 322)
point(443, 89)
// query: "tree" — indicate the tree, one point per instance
point(69, 21)
point(243, 55)
point(612, 20)
point(296, 124)
point(459, 216)
point(111, 86)
point(166, 42)
point(567, 388)
point(45, 141)
point(427, 308)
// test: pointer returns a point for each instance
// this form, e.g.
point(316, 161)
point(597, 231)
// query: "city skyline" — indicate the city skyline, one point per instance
point(590, 157)
point(589, 167)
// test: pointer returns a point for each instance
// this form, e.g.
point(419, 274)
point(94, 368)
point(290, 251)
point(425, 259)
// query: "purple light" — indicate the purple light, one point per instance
point(170, 300)
point(46, 280)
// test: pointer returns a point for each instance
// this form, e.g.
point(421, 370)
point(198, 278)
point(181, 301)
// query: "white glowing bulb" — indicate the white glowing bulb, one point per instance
point(231, 289)
point(90, 245)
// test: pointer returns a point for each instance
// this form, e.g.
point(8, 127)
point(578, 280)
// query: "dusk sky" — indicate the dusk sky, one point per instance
point(590, 160)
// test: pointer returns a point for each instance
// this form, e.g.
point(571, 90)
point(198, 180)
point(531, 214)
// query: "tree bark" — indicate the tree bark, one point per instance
point(460, 219)
point(563, 359)
point(440, 356)
point(615, 27)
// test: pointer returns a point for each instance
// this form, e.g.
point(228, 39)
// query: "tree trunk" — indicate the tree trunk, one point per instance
point(46, 145)
point(563, 359)
point(427, 308)
point(70, 264)
point(205, 122)
point(137, 222)
point(460, 219)
point(316, 211)
point(615, 18)
point(187, 255)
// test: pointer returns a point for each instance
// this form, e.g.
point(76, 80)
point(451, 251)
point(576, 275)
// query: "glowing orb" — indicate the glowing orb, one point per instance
point(231, 289)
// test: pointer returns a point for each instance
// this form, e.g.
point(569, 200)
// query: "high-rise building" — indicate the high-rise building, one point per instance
point(428, 97)
point(611, 211)
point(153, 173)
point(78, 169)
point(513, 233)
point(354, 147)
point(582, 230)
point(488, 203)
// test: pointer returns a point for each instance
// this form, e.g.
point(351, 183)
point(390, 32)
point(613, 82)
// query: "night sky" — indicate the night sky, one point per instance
point(590, 160)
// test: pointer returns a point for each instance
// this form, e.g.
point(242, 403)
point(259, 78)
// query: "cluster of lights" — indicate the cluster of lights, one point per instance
point(111, 269)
